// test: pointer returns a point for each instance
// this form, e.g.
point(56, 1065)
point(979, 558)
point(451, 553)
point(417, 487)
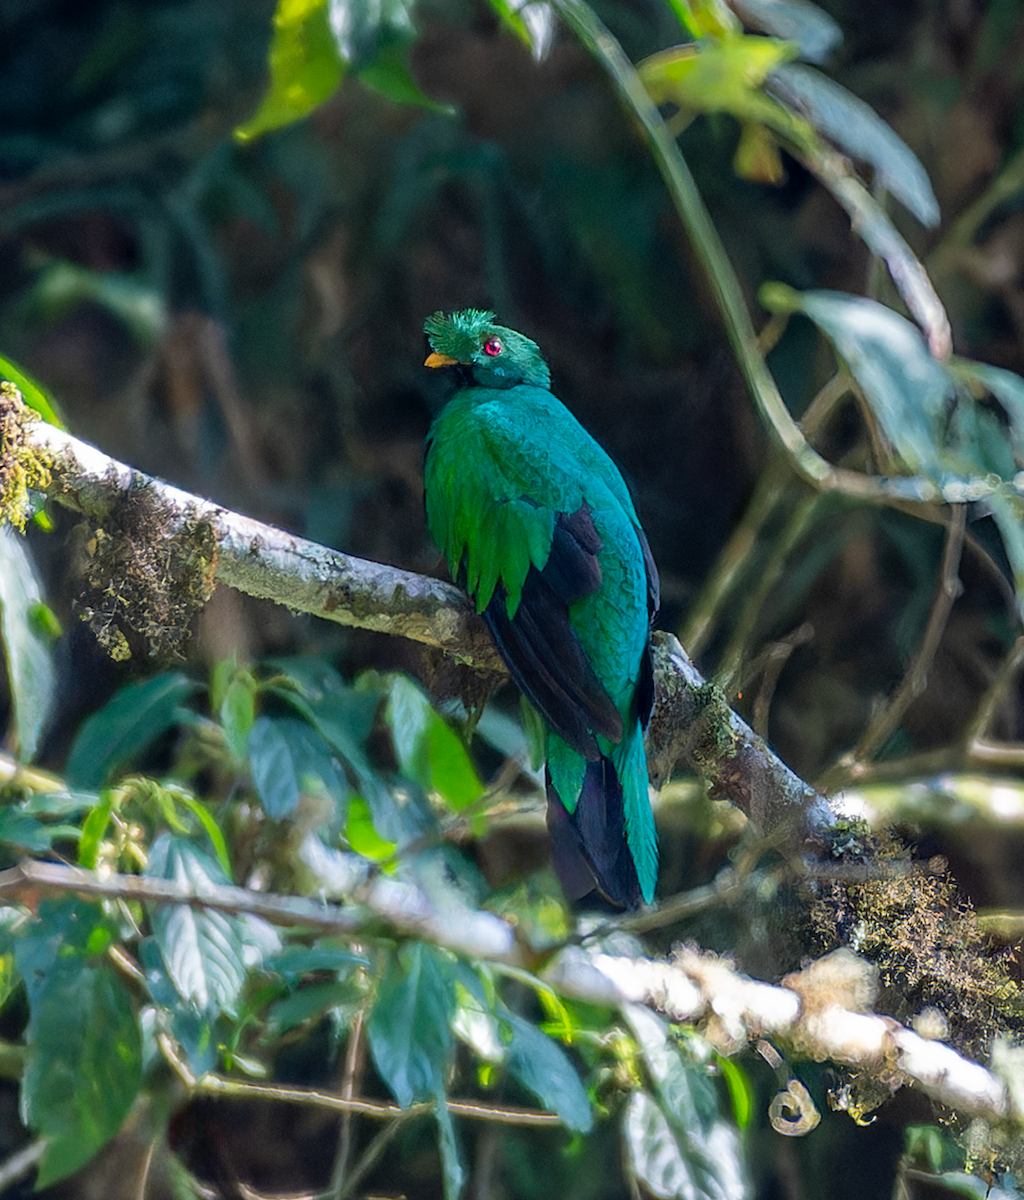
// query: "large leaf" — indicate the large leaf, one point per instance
point(207, 954)
point(543, 1066)
point(429, 751)
point(84, 1063)
point(678, 1141)
point(855, 127)
point(910, 393)
point(288, 758)
point(410, 1026)
point(135, 717)
point(344, 717)
point(305, 66)
point(411, 1040)
point(30, 669)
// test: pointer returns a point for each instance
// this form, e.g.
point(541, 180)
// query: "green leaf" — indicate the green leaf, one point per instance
point(207, 954)
point(374, 37)
point(31, 392)
point(305, 67)
point(295, 962)
point(1007, 388)
point(196, 1033)
point(678, 1142)
point(812, 29)
point(429, 751)
point(84, 1064)
point(288, 758)
point(238, 713)
point(909, 392)
point(720, 76)
point(544, 1068)
point(1007, 509)
point(313, 1000)
point(857, 129)
point(134, 718)
point(451, 1160)
point(63, 286)
point(22, 829)
point(344, 717)
point(532, 21)
point(410, 1026)
point(30, 669)
point(361, 833)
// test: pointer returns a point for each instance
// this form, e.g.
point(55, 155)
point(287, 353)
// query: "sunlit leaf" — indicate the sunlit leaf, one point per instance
point(84, 1064)
point(305, 66)
point(531, 21)
point(132, 720)
point(857, 129)
point(207, 953)
point(373, 38)
point(361, 833)
point(1008, 389)
point(679, 1143)
point(31, 392)
point(1007, 508)
point(429, 751)
point(238, 713)
point(908, 390)
point(725, 76)
point(812, 29)
point(30, 669)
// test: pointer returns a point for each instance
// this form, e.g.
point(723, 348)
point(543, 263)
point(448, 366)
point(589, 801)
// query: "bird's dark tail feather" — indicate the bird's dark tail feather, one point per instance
point(588, 847)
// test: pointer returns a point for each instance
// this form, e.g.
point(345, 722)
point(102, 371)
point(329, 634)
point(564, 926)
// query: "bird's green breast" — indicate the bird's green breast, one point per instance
point(500, 465)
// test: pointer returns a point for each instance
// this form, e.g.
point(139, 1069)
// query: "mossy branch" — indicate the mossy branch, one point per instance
point(200, 544)
point(822, 1013)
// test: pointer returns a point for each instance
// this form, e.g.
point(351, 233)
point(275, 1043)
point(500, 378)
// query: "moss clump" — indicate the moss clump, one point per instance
point(23, 468)
point(144, 577)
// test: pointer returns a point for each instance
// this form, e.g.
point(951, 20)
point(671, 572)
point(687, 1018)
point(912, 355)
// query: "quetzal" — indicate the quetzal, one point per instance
point(537, 524)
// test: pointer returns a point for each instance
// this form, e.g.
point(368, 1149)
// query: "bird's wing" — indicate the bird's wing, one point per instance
point(506, 503)
point(540, 646)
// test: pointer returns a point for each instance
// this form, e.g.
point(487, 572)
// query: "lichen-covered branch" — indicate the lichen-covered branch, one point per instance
point(821, 1013)
point(214, 545)
point(179, 543)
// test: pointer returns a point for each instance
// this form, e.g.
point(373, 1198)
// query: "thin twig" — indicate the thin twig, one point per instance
point(771, 489)
point(887, 720)
point(238, 1089)
point(736, 652)
point(352, 1071)
point(1005, 677)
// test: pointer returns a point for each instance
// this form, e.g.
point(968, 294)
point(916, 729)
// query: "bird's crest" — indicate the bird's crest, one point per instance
point(496, 355)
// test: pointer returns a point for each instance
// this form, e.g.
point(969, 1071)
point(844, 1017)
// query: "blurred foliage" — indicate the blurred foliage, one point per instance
point(221, 225)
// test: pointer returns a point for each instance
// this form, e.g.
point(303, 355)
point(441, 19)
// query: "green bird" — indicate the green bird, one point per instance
point(537, 524)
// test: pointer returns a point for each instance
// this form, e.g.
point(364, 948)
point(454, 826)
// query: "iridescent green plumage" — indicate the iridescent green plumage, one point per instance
point(536, 522)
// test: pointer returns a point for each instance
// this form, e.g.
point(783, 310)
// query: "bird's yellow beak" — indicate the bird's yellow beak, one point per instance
point(440, 360)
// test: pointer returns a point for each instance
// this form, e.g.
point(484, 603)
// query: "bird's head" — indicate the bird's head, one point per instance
point(492, 355)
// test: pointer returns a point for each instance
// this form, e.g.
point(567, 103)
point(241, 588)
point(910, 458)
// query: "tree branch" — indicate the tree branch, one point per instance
point(819, 1013)
point(692, 721)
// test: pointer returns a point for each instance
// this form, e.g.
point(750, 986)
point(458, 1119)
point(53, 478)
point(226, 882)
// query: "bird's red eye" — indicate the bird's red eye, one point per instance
point(493, 346)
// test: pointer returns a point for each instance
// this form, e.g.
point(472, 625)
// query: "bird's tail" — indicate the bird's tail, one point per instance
point(605, 850)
